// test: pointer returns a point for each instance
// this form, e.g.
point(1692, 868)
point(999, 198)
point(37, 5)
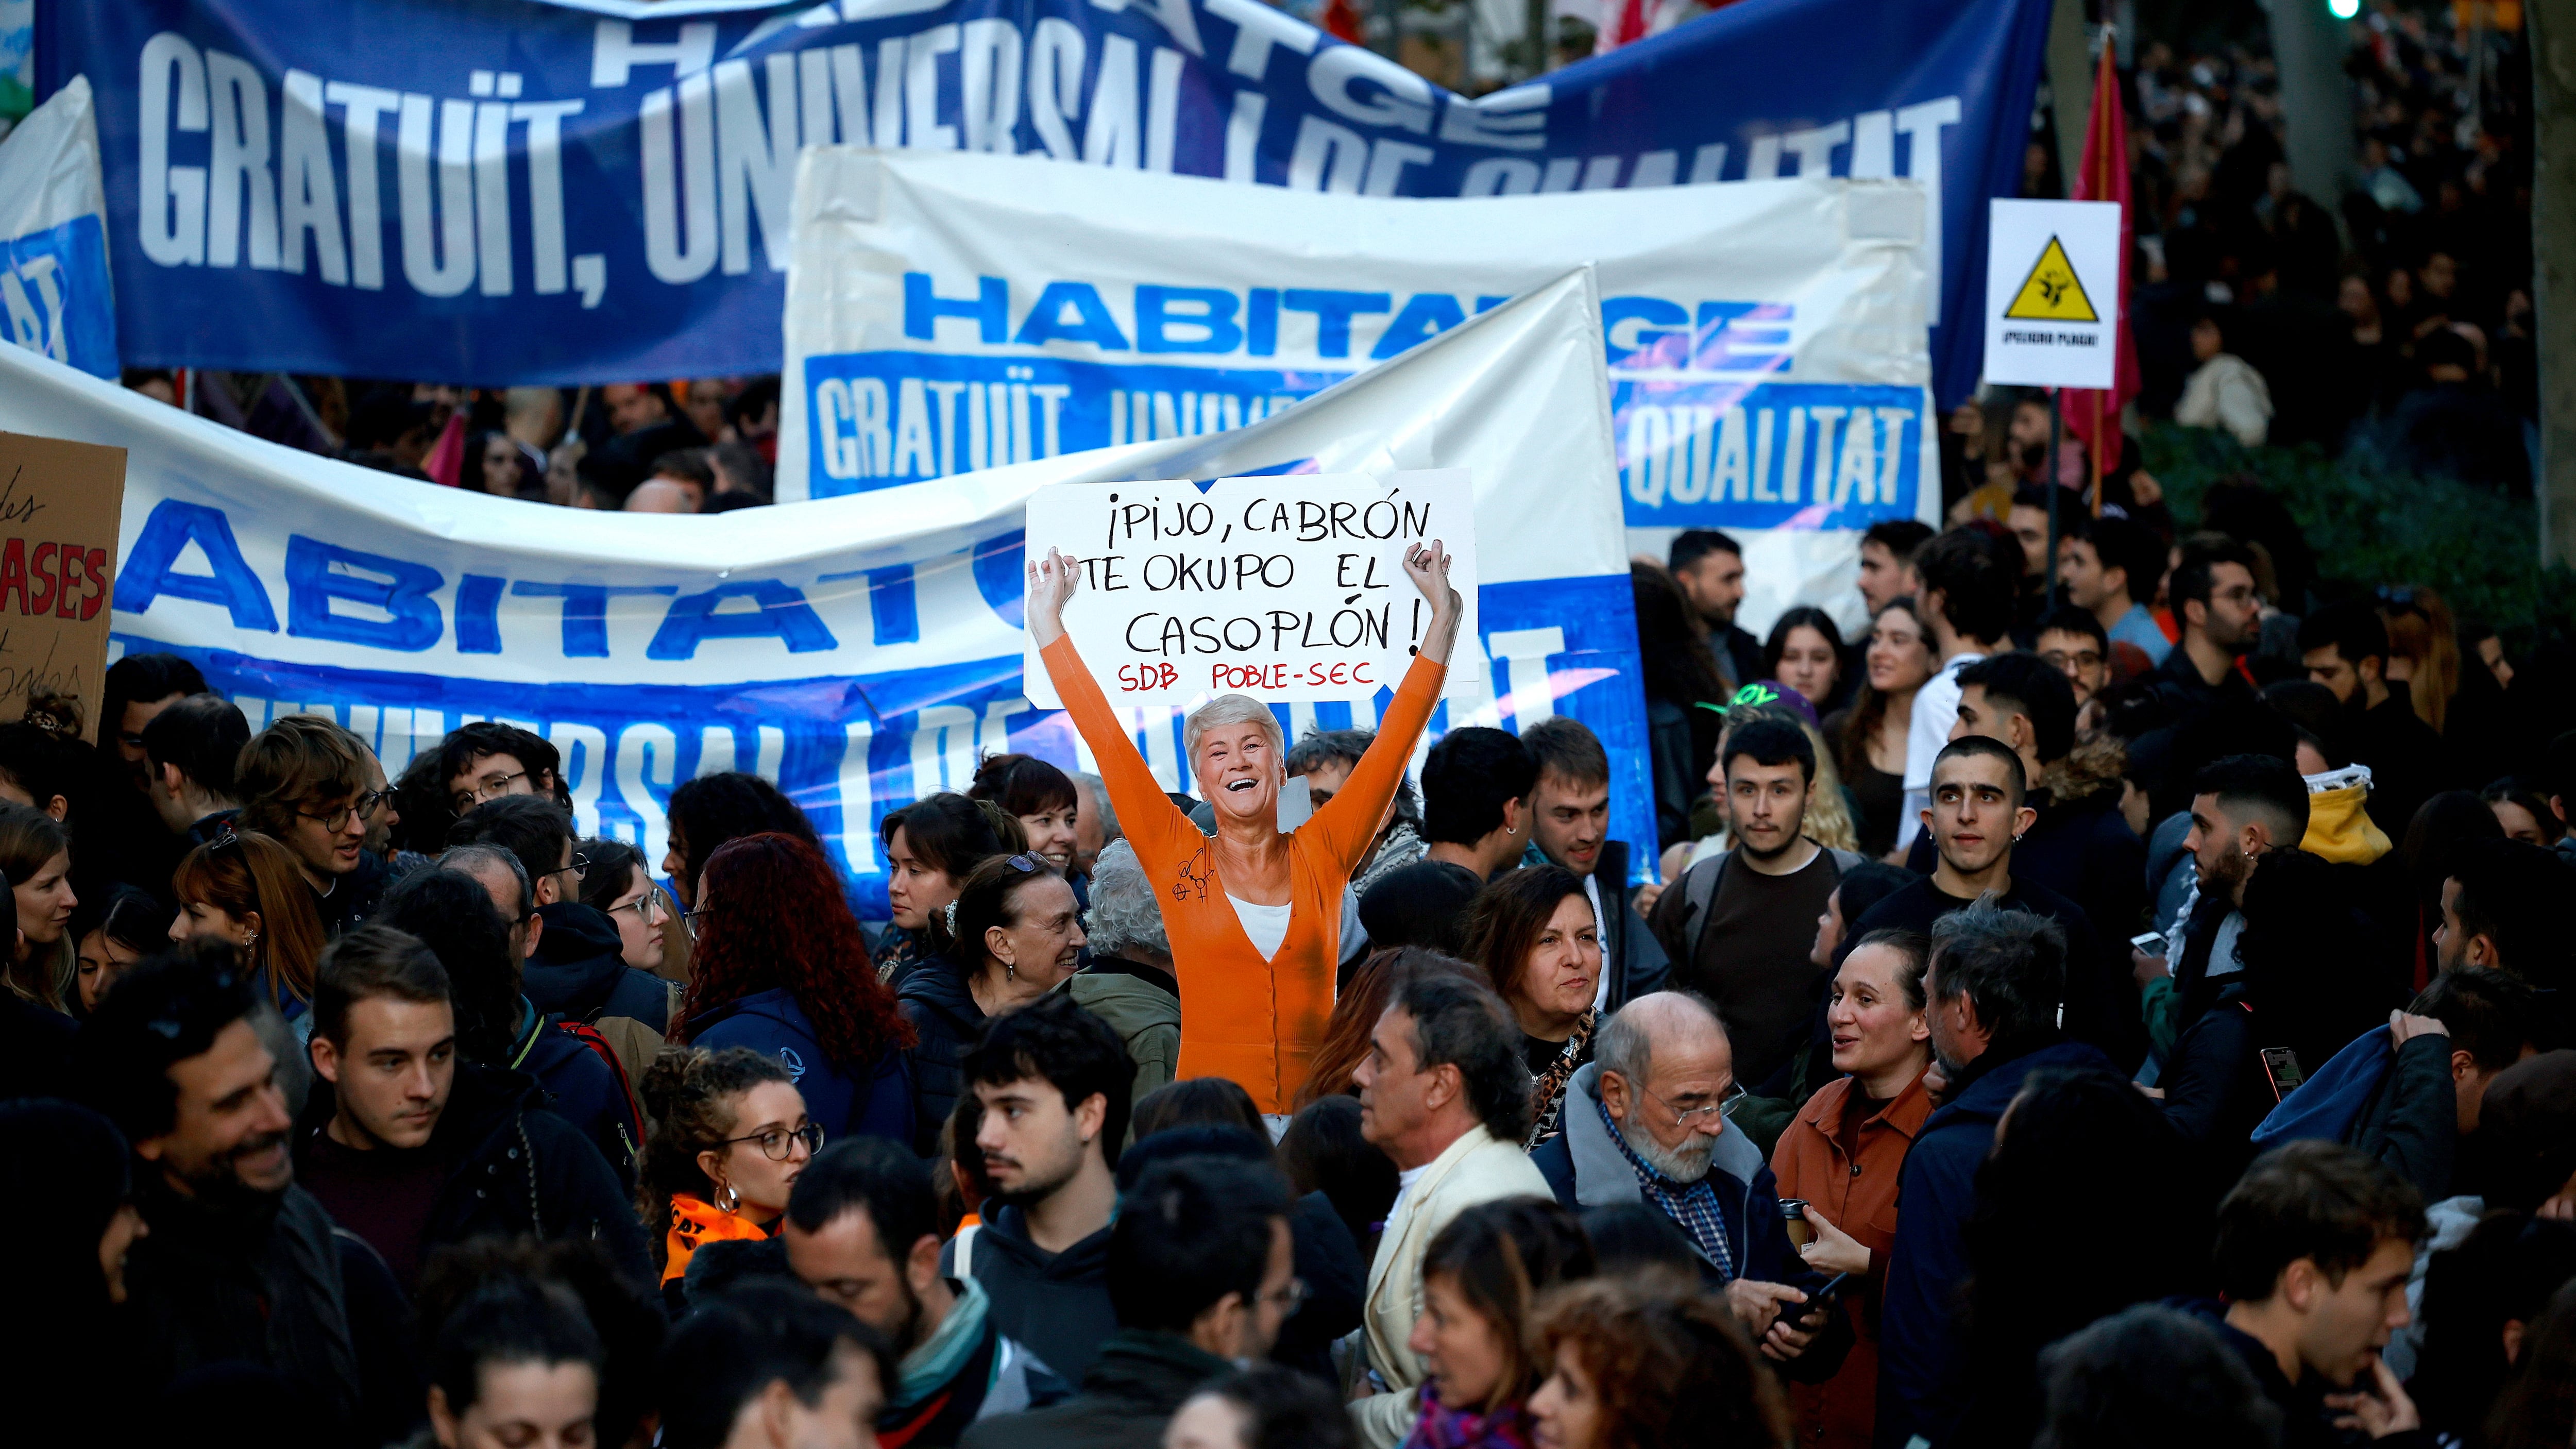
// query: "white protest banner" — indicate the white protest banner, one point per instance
point(1283, 589)
point(1765, 341)
point(860, 652)
point(2053, 293)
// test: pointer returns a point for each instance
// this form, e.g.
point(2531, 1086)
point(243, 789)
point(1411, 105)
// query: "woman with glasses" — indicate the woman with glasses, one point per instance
point(1254, 914)
point(1012, 935)
point(730, 1135)
point(779, 966)
point(617, 886)
point(1481, 1277)
point(243, 889)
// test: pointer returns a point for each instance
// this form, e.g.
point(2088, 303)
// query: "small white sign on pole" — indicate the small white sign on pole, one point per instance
point(1286, 588)
point(2053, 293)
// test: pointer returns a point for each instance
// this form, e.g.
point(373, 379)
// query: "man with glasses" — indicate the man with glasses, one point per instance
point(1645, 1123)
point(576, 966)
point(412, 1149)
point(487, 760)
point(305, 781)
point(2213, 599)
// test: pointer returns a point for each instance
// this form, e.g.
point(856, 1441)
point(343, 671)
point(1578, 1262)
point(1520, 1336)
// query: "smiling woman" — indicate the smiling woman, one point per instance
point(1254, 915)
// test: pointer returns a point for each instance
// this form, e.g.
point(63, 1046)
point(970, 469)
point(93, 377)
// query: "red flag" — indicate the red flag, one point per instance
point(1342, 19)
point(2093, 416)
point(1631, 24)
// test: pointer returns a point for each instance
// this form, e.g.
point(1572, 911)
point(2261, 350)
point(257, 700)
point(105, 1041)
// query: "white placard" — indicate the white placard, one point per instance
point(1286, 588)
point(2053, 293)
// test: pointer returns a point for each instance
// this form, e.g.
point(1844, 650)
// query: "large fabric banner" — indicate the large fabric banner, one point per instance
point(859, 651)
point(509, 191)
point(1766, 350)
point(55, 297)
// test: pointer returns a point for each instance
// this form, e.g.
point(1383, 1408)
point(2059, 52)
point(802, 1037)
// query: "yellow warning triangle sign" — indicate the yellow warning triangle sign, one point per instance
point(2052, 293)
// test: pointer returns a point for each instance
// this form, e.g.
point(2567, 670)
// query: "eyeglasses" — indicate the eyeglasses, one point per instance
point(579, 868)
point(1289, 1296)
point(645, 906)
point(1682, 1118)
point(490, 787)
point(360, 808)
point(778, 1143)
point(1025, 861)
point(2081, 659)
point(689, 920)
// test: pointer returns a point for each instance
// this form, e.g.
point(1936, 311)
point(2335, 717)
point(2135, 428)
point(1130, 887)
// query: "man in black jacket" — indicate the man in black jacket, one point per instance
point(2344, 647)
point(239, 1266)
point(576, 969)
point(1202, 1272)
point(1570, 825)
point(411, 1149)
point(2314, 1249)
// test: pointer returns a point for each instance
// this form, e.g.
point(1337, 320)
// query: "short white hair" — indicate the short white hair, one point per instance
point(1124, 912)
point(1233, 709)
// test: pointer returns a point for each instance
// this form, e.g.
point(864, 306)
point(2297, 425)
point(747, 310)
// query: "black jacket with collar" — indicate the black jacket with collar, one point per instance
point(516, 1169)
point(947, 1022)
point(1140, 1379)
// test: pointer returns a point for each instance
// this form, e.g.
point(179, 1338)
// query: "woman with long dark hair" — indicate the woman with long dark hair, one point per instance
point(1012, 935)
point(1869, 737)
point(779, 968)
point(36, 857)
point(113, 932)
point(712, 809)
point(1534, 933)
point(1805, 653)
point(1679, 674)
point(931, 846)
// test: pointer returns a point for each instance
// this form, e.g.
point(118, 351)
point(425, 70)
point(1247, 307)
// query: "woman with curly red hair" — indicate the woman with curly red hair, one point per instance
point(780, 967)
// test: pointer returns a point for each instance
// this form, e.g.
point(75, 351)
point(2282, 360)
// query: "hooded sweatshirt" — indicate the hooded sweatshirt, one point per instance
point(872, 1099)
point(1056, 1303)
point(580, 971)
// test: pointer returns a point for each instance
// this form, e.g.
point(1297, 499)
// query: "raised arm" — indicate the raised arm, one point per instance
point(1348, 821)
point(1144, 811)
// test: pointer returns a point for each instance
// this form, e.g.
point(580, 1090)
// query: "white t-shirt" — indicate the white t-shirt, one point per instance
point(1404, 1182)
point(1936, 708)
point(1266, 925)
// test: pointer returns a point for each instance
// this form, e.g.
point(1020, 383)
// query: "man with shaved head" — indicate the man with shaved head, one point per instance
point(1643, 1125)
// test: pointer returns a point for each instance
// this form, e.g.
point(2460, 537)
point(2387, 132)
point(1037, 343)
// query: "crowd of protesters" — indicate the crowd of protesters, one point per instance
point(2100, 1008)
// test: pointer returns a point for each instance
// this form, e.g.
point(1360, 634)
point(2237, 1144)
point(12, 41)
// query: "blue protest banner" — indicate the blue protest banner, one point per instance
point(510, 191)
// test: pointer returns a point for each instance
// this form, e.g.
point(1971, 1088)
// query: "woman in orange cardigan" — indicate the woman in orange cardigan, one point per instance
point(1843, 1153)
point(1254, 916)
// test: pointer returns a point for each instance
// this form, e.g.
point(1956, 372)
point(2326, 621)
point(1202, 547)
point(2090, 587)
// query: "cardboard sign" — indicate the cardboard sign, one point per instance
point(2052, 293)
point(1286, 588)
point(59, 503)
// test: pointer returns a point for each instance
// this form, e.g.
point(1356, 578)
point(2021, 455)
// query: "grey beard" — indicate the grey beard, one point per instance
point(1686, 1164)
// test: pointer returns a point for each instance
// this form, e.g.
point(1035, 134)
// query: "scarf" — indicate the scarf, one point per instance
point(1440, 1427)
point(935, 1362)
point(696, 1223)
point(1547, 1089)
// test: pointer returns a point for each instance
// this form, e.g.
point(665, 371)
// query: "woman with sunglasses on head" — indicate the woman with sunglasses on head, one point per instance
point(779, 966)
point(730, 1136)
point(1012, 935)
point(242, 889)
point(1254, 913)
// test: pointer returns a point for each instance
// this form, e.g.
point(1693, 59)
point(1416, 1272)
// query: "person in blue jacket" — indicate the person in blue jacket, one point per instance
point(1994, 985)
point(781, 967)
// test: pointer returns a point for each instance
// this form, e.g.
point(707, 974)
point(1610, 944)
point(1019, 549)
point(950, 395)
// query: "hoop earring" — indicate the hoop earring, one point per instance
point(728, 1201)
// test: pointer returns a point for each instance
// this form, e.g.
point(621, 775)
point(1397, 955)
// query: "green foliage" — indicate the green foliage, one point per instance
point(2371, 526)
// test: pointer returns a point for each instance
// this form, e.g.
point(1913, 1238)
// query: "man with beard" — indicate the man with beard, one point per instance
point(410, 1149)
point(1710, 568)
point(1643, 1124)
point(1991, 997)
point(239, 1272)
point(2213, 599)
point(863, 1232)
point(1739, 926)
point(1054, 1080)
point(2344, 646)
point(2243, 807)
point(1978, 788)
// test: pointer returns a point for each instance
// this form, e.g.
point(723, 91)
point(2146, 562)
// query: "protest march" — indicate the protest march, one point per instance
point(1288, 724)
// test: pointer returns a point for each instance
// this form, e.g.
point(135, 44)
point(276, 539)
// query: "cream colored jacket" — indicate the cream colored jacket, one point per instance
point(1478, 1167)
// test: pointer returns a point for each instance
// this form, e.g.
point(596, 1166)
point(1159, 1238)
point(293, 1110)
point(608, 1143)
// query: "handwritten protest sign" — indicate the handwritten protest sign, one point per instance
point(1284, 588)
point(58, 513)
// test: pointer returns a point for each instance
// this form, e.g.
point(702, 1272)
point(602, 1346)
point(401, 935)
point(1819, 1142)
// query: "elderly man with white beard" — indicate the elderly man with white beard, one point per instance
point(1644, 1123)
